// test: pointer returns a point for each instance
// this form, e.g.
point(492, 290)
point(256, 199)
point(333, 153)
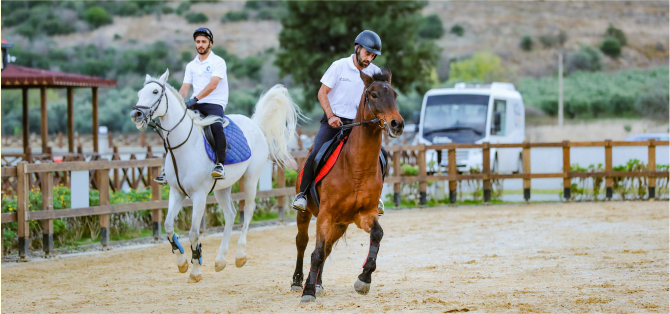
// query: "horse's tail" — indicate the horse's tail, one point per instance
point(277, 116)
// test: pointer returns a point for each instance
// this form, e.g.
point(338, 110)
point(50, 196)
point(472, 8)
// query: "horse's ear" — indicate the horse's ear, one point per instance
point(147, 79)
point(366, 79)
point(164, 77)
point(389, 75)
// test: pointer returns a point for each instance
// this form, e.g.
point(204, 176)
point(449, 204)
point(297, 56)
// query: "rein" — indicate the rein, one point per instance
point(166, 141)
point(375, 120)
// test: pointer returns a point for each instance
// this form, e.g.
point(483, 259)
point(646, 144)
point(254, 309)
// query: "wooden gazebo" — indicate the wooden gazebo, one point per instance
point(19, 77)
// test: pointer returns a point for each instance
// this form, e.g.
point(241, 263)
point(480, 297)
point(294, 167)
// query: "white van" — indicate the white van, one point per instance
point(473, 114)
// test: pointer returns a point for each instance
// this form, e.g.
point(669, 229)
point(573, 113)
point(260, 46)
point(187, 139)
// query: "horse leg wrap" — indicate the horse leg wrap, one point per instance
point(175, 244)
point(310, 285)
point(370, 264)
point(196, 254)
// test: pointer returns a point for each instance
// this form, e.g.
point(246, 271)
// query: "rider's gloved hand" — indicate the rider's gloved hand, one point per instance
point(191, 102)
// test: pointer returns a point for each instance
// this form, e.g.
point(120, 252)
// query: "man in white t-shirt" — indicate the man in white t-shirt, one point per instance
point(340, 95)
point(207, 74)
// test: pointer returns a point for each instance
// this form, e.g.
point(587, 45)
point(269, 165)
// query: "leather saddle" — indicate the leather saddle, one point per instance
point(324, 154)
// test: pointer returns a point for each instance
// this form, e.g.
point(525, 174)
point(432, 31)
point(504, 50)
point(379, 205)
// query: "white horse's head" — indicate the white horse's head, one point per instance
point(152, 101)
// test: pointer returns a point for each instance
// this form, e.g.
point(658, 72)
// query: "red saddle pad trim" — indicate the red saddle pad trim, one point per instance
point(330, 163)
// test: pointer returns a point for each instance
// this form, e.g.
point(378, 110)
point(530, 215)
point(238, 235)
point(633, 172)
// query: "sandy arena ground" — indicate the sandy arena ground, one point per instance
point(583, 257)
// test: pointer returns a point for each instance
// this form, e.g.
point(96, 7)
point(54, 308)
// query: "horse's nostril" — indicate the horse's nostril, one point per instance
point(394, 123)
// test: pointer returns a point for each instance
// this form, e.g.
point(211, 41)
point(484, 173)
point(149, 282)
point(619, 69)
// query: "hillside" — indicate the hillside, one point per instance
point(495, 26)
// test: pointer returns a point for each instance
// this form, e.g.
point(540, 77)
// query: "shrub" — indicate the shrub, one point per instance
point(194, 18)
point(235, 16)
point(562, 37)
point(128, 8)
point(183, 7)
point(97, 16)
point(611, 47)
point(526, 43)
point(457, 30)
point(616, 33)
point(431, 27)
point(548, 41)
point(266, 14)
point(587, 58)
point(117, 36)
point(654, 103)
point(167, 10)
point(482, 67)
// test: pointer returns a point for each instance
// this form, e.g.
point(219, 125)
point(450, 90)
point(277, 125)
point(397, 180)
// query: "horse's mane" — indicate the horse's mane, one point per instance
point(384, 75)
point(190, 113)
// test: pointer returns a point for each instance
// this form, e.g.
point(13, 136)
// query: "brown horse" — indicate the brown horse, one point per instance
point(350, 192)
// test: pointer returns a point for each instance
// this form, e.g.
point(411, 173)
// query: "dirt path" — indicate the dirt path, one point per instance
point(585, 257)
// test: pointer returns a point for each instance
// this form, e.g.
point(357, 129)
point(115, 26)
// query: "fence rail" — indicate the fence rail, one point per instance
point(45, 174)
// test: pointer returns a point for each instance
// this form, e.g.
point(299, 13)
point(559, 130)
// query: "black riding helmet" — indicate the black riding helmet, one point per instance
point(204, 32)
point(370, 41)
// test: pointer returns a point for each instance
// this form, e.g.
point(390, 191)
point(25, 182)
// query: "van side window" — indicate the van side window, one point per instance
point(499, 117)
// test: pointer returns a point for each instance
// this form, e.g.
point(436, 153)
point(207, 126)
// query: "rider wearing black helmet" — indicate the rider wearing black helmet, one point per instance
point(207, 74)
point(339, 95)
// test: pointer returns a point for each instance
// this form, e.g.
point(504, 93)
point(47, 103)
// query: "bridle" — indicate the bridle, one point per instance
point(156, 125)
point(375, 120)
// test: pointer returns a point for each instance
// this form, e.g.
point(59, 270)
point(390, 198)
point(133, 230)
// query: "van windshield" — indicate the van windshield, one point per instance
point(462, 118)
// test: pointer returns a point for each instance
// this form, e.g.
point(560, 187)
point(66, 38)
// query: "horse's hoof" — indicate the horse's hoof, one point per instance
point(183, 268)
point(361, 287)
point(239, 262)
point(307, 298)
point(219, 266)
point(319, 291)
point(296, 288)
point(194, 278)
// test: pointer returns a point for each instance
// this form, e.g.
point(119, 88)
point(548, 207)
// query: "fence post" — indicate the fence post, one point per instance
point(60, 139)
point(109, 140)
point(115, 156)
point(281, 200)
point(155, 196)
point(240, 184)
point(421, 160)
point(103, 189)
point(525, 159)
point(47, 204)
point(486, 169)
point(652, 167)
point(396, 173)
point(608, 169)
point(22, 193)
point(451, 155)
point(143, 139)
point(566, 169)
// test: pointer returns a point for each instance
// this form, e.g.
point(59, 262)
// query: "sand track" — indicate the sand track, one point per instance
point(609, 257)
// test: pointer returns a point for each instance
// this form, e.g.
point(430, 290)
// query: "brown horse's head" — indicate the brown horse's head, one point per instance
point(381, 98)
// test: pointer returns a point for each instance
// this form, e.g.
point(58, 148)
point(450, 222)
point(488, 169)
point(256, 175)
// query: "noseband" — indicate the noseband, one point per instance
point(375, 120)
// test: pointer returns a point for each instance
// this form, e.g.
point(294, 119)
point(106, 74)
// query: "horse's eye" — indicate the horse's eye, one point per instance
point(374, 96)
point(155, 91)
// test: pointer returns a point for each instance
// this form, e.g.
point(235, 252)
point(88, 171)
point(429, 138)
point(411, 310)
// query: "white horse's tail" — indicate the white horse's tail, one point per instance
point(277, 116)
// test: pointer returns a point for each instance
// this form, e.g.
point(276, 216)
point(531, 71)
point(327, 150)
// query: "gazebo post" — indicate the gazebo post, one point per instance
point(70, 120)
point(43, 115)
point(26, 130)
point(95, 119)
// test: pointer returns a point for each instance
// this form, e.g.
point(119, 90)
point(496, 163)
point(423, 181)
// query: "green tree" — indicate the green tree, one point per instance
point(526, 43)
point(616, 33)
point(308, 45)
point(457, 30)
point(97, 16)
point(431, 27)
point(611, 47)
point(482, 67)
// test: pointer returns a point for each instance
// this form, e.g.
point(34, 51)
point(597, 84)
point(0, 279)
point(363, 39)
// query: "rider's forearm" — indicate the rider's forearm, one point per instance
point(183, 91)
point(207, 90)
point(325, 103)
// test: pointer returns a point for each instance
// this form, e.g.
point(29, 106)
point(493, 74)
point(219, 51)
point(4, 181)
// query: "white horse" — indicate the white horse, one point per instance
point(267, 132)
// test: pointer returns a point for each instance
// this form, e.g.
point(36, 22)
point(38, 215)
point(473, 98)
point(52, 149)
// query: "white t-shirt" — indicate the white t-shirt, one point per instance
point(199, 74)
point(346, 86)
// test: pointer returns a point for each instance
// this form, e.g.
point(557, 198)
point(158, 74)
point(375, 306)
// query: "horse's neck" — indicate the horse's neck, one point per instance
point(365, 141)
point(172, 118)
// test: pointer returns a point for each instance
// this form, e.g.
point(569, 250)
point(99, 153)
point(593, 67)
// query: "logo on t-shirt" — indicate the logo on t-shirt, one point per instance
point(345, 79)
point(208, 69)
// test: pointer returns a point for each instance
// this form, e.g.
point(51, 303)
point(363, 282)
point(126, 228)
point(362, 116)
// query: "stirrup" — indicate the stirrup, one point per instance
point(300, 202)
point(380, 207)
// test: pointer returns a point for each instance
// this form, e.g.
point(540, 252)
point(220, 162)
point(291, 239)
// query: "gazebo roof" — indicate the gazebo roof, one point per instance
point(14, 76)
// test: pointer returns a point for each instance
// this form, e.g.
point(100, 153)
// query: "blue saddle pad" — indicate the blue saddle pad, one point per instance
point(238, 148)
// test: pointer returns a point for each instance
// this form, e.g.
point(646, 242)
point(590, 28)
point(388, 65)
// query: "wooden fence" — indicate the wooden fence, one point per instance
point(135, 172)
